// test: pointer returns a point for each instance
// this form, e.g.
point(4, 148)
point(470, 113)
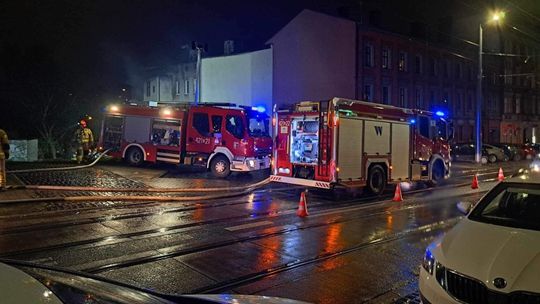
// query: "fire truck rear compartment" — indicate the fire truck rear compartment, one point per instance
point(304, 146)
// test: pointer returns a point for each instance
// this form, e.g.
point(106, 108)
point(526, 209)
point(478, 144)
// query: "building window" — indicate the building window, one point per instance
point(402, 64)
point(368, 92)
point(368, 55)
point(419, 100)
point(471, 77)
point(469, 102)
point(518, 105)
point(148, 88)
point(153, 89)
point(433, 67)
point(446, 70)
point(418, 64)
point(432, 98)
point(458, 106)
point(402, 97)
point(458, 70)
point(186, 87)
point(386, 58)
point(508, 105)
point(177, 88)
point(386, 94)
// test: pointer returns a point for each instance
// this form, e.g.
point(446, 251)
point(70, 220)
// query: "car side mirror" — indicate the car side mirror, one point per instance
point(465, 207)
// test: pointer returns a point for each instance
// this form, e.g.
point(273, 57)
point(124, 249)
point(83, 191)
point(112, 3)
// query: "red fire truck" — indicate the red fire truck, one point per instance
point(220, 137)
point(354, 143)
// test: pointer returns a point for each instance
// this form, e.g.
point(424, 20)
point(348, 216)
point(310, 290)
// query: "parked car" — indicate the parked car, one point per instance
point(493, 254)
point(535, 146)
point(495, 154)
point(512, 151)
point(529, 151)
point(466, 152)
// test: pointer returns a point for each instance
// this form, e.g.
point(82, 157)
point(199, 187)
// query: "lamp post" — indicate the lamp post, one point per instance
point(496, 17)
point(478, 121)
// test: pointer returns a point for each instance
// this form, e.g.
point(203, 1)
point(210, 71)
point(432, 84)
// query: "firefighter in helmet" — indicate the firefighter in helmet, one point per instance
point(4, 154)
point(85, 141)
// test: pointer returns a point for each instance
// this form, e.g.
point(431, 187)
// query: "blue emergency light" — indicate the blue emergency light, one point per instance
point(259, 109)
point(439, 113)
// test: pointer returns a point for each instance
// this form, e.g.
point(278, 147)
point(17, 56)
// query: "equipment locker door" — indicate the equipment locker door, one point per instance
point(350, 148)
point(400, 151)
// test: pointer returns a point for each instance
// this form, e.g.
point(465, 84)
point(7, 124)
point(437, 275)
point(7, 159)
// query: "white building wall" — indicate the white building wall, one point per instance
point(244, 79)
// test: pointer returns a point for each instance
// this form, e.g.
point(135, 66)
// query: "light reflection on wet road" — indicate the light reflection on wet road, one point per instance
point(182, 247)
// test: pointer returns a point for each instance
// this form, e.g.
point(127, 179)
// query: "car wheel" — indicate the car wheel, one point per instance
point(376, 182)
point(492, 158)
point(135, 156)
point(484, 160)
point(220, 166)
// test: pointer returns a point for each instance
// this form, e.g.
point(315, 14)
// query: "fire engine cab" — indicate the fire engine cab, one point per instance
point(220, 137)
point(353, 143)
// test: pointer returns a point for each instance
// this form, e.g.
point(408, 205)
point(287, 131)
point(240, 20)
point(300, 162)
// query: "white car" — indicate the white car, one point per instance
point(492, 255)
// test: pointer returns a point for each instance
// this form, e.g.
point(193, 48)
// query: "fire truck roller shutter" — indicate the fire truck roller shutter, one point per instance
point(350, 148)
point(137, 129)
point(400, 151)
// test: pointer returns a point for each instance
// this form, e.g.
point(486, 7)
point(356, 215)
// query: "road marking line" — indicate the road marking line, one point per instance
point(43, 260)
point(250, 225)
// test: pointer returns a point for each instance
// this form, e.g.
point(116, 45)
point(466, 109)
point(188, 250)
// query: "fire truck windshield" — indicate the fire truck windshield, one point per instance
point(258, 125)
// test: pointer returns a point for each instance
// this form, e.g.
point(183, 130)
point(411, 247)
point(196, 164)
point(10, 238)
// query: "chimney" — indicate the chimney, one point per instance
point(228, 47)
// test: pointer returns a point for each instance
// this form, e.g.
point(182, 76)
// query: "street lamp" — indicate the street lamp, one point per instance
point(495, 17)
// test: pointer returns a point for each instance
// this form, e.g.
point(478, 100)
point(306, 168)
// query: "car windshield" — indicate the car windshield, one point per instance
point(512, 205)
point(258, 125)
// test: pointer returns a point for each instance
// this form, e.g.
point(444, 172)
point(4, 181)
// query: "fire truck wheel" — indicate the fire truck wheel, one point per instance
point(135, 156)
point(376, 182)
point(437, 173)
point(220, 166)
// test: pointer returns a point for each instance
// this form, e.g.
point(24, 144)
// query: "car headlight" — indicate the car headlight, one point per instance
point(251, 163)
point(429, 262)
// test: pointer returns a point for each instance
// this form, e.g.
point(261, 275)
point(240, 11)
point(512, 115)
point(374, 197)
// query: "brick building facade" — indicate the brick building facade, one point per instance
point(394, 69)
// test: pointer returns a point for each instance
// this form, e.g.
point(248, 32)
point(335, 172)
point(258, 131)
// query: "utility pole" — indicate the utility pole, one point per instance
point(199, 47)
point(478, 122)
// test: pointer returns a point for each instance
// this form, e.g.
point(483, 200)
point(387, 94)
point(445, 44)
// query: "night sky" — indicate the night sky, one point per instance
point(109, 38)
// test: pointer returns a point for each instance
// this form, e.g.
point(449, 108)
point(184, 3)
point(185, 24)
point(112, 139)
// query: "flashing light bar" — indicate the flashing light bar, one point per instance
point(259, 109)
point(440, 113)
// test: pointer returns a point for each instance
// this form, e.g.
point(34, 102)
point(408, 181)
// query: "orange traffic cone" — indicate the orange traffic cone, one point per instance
point(500, 177)
point(474, 184)
point(302, 205)
point(397, 194)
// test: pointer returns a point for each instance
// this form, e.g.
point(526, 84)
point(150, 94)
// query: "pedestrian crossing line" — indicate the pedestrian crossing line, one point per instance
point(250, 225)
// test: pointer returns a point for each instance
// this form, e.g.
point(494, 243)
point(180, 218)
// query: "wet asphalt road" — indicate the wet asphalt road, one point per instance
point(351, 250)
